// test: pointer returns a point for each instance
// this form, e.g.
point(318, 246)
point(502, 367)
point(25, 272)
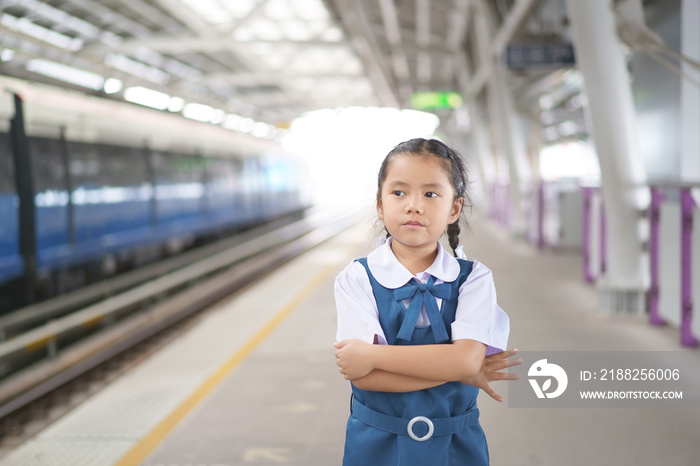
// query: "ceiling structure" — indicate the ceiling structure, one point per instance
point(265, 60)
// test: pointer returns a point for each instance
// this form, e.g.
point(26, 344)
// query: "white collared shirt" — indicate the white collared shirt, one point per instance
point(478, 317)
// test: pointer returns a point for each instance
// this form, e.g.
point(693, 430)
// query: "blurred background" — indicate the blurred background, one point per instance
point(148, 146)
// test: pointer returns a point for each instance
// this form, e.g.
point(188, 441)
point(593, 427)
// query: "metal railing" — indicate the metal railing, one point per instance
point(673, 242)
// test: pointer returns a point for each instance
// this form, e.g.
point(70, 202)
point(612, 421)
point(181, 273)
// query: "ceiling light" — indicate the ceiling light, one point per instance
point(25, 26)
point(198, 112)
point(310, 9)
point(66, 73)
point(266, 30)
point(147, 97)
point(113, 85)
point(279, 10)
point(261, 130)
point(567, 128)
point(218, 116)
point(231, 121)
point(176, 104)
point(7, 54)
point(246, 125)
point(130, 66)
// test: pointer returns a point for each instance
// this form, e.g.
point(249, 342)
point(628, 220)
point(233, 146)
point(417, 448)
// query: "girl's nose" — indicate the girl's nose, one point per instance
point(415, 205)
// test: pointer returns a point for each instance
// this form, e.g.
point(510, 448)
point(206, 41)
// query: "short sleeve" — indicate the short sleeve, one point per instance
point(478, 316)
point(358, 317)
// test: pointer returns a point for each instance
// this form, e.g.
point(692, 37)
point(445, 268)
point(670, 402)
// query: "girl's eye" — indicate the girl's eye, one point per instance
point(431, 194)
point(398, 193)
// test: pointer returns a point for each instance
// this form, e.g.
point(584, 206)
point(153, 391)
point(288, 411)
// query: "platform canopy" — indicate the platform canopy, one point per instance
point(268, 60)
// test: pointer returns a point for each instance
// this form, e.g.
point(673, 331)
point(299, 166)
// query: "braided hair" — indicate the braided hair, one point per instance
point(454, 166)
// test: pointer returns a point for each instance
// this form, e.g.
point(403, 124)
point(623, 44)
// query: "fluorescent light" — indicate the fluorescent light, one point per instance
point(113, 85)
point(311, 10)
point(147, 97)
point(231, 121)
point(567, 128)
point(176, 104)
point(218, 116)
point(25, 26)
point(246, 125)
point(261, 130)
point(66, 73)
point(153, 74)
point(198, 112)
point(7, 54)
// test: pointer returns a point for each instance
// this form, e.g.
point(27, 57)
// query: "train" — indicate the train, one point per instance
point(91, 186)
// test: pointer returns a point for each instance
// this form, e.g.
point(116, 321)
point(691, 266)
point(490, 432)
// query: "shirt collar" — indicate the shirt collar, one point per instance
point(390, 273)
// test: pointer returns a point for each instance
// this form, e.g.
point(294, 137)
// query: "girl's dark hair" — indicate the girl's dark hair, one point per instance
point(455, 168)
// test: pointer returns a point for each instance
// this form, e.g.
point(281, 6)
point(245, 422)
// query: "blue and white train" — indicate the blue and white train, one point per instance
point(89, 185)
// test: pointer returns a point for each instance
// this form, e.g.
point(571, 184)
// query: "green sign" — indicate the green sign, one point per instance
point(436, 100)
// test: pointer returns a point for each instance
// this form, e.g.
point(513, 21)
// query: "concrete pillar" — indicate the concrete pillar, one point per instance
point(611, 118)
point(479, 137)
point(472, 143)
point(690, 93)
point(690, 173)
point(510, 137)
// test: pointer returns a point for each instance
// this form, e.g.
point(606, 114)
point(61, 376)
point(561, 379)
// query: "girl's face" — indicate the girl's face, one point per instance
point(417, 200)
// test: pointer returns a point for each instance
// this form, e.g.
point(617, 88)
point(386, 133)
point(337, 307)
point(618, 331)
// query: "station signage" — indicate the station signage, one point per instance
point(529, 55)
point(436, 100)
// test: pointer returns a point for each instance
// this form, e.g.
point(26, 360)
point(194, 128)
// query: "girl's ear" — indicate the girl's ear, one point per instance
point(380, 212)
point(456, 210)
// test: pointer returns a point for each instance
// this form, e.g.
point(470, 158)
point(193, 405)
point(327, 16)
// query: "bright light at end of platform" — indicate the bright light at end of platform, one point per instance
point(573, 160)
point(346, 146)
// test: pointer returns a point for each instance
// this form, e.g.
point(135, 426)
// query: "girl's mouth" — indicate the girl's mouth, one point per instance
point(413, 224)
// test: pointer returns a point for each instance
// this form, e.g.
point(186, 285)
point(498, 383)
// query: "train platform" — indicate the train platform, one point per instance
point(255, 381)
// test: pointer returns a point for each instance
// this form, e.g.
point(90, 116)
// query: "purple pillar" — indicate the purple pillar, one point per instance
point(493, 205)
point(506, 215)
point(603, 247)
point(586, 246)
point(527, 212)
point(657, 197)
point(687, 207)
point(540, 215)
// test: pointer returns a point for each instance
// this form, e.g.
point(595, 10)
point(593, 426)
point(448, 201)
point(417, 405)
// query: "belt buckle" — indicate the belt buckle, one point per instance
point(412, 422)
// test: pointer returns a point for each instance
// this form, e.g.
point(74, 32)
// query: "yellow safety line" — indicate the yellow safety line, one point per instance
point(149, 442)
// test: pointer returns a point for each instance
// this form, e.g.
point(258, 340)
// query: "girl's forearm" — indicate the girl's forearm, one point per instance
point(383, 381)
point(454, 362)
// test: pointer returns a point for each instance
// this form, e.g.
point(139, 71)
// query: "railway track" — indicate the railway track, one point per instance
point(51, 367)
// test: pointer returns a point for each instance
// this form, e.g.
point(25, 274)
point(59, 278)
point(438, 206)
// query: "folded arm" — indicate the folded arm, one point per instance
point(457, 361)
point(356, 357)
point(383, 381)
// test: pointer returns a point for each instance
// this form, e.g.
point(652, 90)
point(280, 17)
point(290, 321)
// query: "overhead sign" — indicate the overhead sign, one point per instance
point(436, 100)
point(527, 55)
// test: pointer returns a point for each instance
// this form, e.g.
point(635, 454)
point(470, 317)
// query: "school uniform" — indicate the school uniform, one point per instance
point(378, 299)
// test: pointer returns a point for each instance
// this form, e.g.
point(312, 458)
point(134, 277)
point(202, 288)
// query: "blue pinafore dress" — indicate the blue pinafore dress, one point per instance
point(438, 426)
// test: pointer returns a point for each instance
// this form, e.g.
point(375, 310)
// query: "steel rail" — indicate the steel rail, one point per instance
point(30, 316)
point(252, 259)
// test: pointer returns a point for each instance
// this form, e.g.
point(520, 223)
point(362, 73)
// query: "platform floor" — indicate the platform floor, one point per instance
point(255, 381)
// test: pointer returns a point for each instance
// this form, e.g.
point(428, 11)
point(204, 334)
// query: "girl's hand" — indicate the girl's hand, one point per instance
point(490, 371)
point(353, 358)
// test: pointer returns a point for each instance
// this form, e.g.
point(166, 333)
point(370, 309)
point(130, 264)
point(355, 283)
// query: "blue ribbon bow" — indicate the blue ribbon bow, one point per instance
point(423, 293)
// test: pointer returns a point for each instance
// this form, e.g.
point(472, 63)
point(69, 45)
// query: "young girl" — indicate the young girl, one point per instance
point(419, 331)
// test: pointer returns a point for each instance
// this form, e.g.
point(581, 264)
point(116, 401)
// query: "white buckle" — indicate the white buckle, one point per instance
point(431, 428)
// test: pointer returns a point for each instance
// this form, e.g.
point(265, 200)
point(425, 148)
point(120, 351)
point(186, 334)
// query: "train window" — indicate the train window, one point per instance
point(84, 165)
point(222, 176)
point(7, 165)
point(121, 166)
point(49, 168)
point(176, 169)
